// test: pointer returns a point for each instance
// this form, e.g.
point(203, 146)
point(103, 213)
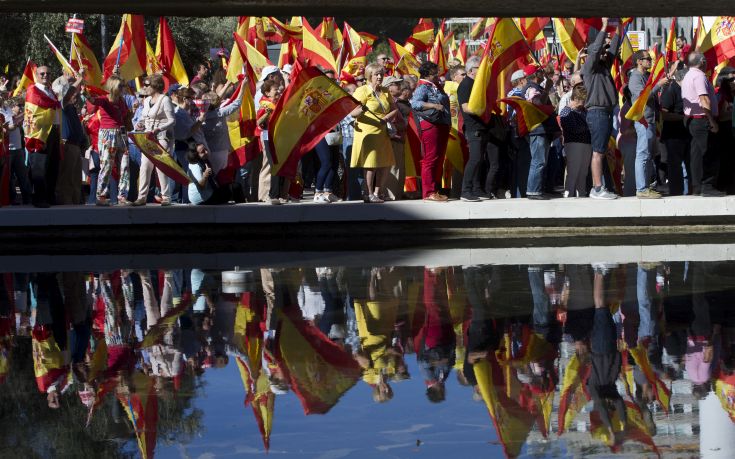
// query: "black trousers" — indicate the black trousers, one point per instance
point(699, 130)
point(678, 152)
point(480, 149)
point(45, 169)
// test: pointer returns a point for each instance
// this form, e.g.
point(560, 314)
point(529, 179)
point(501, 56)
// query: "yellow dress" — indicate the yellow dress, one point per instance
point(371, 147)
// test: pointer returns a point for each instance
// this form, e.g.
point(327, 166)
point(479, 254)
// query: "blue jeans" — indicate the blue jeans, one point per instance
point(645, 286)
point(180, 192)
point(93, 176)
point(539, 151)
point(643, 160)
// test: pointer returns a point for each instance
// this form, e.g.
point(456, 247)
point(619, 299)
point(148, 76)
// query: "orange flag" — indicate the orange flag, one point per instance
point(128, 51)
point(421, 37)
point(316, 50)
point(528, 115)
point(27, 79)
point(635, 113)
point(311, 106)
point(505, 46)
point(168, 55)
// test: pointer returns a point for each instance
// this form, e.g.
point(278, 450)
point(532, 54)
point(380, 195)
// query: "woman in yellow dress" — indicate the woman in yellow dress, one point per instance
point(371, 148)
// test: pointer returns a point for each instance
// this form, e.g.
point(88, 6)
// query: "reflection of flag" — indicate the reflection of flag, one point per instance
point(83, 57)
point(572, 395)
point(505, 46)
point(512, 422)
point(129, 46)
point(40, 112)
point(311, 106)
point(725, 391)
point(168, 55)
point(27, 79)
point(421, 37)
point(153, 150)
point(660, 391)
point(48, 361)
point(316, 50)
point(141, 407)
point(528, 115)
point(319, 370)
point(636, 111)
point(156, 332)
point(263, 408)
point(634, 429)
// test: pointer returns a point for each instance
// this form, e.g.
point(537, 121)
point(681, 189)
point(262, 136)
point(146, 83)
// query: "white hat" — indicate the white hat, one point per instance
point(287, 68)
point(517, 75)
point(267, 70)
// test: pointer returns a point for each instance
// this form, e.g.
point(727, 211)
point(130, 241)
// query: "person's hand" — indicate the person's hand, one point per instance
point(714, 127)
point(202, 117)
point(604, 23)
point(208, 172)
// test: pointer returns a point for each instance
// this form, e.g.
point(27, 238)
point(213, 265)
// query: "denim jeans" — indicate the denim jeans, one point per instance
point(93, 176)
point(646, 285)
point(643, 156)
point(539, 151)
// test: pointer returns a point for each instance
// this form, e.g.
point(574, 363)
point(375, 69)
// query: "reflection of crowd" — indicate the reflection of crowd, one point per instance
point(135, 335)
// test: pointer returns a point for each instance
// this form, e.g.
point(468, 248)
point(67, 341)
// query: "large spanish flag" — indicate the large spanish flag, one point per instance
point(421, 37)
point(636, 111)
point(533, 30)
point(82, 57)
point(311, 106)
point(505, 46)
point(573, 395)
point(153, 150)
point(316, 50)
point(528, 115)
point(40, 113)
point(719, 44)
point(255, 61)
point(27, 79)
point(168, 55)
point(128, 50)
point(572, 33)
point(241, 126)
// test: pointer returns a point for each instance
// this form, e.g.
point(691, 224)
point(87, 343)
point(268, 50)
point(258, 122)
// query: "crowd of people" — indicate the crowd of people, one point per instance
point(500, 329)
point(680, 147)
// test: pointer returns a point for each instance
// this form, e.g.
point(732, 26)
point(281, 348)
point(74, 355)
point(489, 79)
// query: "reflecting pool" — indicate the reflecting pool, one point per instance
point(545, 352)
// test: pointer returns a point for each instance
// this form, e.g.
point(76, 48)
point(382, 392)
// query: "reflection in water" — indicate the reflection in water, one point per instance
point(612, 357)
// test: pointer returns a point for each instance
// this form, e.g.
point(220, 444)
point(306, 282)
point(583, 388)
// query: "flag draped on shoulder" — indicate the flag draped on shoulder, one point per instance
point(168, 55)
point(40, 112)
point(311, 106)
point(27, 79)
point(635, 113)
point(528, 115)
point(505, 46)
point(128, 51)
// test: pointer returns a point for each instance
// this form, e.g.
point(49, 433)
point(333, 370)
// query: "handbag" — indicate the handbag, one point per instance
point(431, 115)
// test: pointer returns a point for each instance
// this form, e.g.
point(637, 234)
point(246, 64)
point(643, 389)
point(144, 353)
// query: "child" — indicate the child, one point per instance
point(577, 143)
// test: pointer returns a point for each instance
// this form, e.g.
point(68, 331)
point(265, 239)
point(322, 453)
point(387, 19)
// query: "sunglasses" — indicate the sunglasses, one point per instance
point(359, 79)
point(42, 73)
point(147, 83)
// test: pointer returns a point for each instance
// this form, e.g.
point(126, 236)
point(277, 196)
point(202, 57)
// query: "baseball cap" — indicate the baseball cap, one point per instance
point(530, 69)
point(288, 68)
point(267, 70)
point(391, 80)
point(517, 75)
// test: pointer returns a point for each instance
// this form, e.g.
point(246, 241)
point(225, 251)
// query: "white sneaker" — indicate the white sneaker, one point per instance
point(602, 194)
point(332, 197)
point(321, 197)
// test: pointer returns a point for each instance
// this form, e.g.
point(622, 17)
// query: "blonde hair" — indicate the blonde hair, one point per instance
point(370, 69)
point(114, 85)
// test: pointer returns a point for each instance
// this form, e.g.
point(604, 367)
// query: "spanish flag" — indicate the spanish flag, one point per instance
point(319, 371)
point(27, 79)
point(406, 63)
point(725, 391)
point(634, 429)
point(528, 115)
point(671, 42)
point(141, 406)
point(572, 33)
point(356, 65)
point(41, 111)
point(437, 54)
point(236, 64)
point(316, 50)
point(241, 126)
point(48, 361)
point(128, 50)
point(168, 55)
point(461, 54)
point(421, 37)
point(573, 395)
point(533, 30)
point(719, 44)
point(153, 150)
point(635, 113)
point(661, 392)
point(328, 31)
point(699, 34)
point(354, 40)
point(311, 106)
point(65, 65)
point(412, 155)
point(482, 27)
point(255, 61)
point(505, 46)
point(287, 32)
point(256, 34)
point(82, 57)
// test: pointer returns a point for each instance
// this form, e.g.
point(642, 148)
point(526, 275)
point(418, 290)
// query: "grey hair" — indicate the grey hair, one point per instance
point(474, 61)
point(695, 59)
point(680, 74)
point(60, 87)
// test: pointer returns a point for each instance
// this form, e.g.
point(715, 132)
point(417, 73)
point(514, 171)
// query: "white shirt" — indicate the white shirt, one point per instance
point(14, 139)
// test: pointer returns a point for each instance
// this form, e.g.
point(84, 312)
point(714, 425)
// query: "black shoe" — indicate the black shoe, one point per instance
point(485, 196)
point(537, 197)
point(469, 198)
